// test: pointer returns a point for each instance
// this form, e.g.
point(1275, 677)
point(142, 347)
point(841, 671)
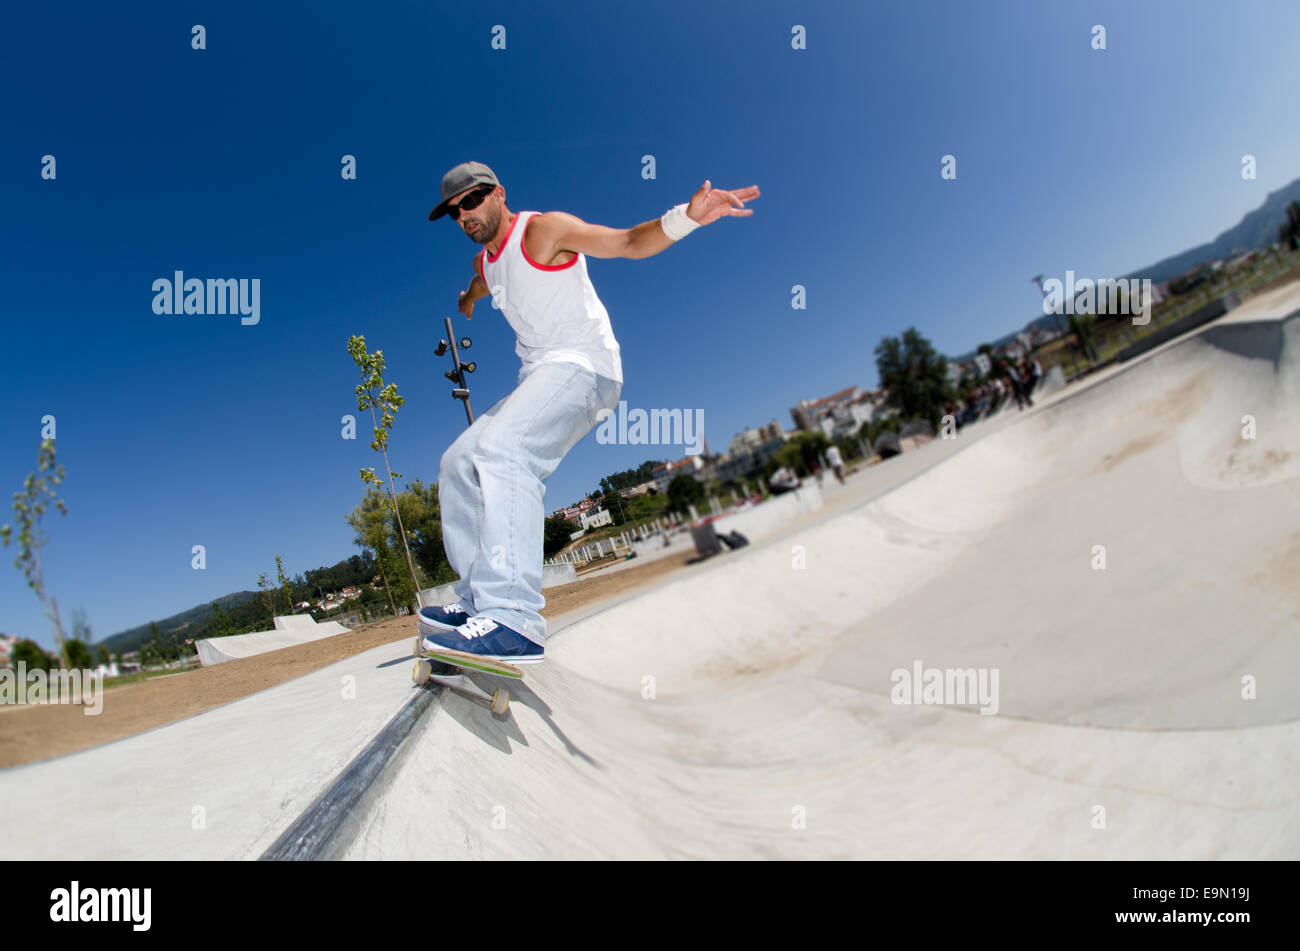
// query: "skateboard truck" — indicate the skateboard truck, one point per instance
point(427, 666)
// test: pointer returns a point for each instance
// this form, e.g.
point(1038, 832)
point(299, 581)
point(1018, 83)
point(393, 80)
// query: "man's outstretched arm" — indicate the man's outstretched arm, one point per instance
point(559, 231)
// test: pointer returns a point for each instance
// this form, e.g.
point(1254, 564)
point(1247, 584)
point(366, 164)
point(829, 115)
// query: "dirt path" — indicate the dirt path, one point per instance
point(45, 730)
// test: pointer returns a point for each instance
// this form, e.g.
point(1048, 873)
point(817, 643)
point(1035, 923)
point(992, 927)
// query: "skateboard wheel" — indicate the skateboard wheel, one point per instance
point(421, 672)
point(500, 701)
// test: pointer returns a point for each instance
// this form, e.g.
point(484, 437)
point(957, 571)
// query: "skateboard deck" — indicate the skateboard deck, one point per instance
point(469, 661)
point(427, 663)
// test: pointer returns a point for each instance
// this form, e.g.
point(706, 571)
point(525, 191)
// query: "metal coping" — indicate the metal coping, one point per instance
point(326, 826)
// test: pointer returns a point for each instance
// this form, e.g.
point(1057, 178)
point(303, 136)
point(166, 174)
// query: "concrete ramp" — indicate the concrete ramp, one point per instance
point(1116, 569)
point(749, 709)
point(1149, 475)
point(294, 622)
point(290, 631)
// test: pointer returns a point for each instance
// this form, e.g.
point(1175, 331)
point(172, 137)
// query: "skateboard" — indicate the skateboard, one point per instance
point(442, 667)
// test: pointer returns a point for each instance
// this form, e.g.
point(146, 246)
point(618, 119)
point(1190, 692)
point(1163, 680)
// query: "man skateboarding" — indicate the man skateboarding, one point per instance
point(491, 480)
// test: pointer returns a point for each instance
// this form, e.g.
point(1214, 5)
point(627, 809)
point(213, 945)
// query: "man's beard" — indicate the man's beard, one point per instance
point(485, 230)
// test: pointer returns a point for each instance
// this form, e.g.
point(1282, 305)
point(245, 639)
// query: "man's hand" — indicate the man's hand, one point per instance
point(709, 203)
point(465, 303)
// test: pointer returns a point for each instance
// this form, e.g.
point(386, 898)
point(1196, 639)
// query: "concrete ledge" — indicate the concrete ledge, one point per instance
point(1199, 317)
point(768, 517)
point(290, 631)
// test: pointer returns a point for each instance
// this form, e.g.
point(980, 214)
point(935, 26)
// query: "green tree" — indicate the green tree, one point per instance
point(401, 588)
point(915, 376)
point(684, 491)
point(78, 654)
point(161, 649)
point(285, 587)
point(1288, 235)
point(849, 447)
point(629, 478)
point(556, 534)
point(811, 446)
point(371, 392)
point(1083, 326)
point(421, 517)
point(31, 654)
point(870, 430)
point(29, 506)
point(222, 625)
point(268, 599)
point(370, 523)
point(801, 453)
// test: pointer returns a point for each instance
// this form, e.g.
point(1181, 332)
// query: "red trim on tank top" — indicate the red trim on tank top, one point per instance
point(523, 246)
point(501, 250)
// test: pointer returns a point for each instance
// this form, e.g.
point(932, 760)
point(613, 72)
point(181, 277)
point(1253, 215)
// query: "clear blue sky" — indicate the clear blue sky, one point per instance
point(177, 431)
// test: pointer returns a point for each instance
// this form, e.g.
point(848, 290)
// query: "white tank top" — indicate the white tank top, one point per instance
point(553, 310)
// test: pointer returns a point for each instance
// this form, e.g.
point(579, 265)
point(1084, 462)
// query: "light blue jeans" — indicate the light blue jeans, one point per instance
point(491, 482)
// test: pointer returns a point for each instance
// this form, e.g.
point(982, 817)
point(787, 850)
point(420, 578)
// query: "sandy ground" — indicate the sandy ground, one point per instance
point(37, 732)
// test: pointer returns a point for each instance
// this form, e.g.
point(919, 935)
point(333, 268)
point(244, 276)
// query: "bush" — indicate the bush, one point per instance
point(78, 654)
point(30, 653)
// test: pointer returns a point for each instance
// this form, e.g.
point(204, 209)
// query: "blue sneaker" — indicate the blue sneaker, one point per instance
point(442, 618)
point(486, 638)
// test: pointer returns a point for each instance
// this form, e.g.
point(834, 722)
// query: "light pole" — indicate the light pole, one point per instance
point(458, 370)
point(1038, 279)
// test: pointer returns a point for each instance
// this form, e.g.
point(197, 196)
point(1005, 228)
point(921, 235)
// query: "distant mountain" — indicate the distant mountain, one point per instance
point(244, 608)
point(129, 640)
point(1257, 229)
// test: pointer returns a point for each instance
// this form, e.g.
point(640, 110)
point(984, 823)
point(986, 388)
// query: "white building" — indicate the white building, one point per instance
point(756, 436)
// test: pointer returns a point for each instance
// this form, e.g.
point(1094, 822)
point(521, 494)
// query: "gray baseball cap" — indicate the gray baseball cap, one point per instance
point(463, 176)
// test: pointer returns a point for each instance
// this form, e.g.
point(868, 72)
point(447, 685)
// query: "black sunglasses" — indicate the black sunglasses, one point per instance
point(470, 201)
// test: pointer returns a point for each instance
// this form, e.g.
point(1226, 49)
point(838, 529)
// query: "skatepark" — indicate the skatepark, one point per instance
point(1121, 563)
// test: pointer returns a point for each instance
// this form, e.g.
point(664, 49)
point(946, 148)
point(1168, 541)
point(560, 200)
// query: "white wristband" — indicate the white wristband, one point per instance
point(677, 224)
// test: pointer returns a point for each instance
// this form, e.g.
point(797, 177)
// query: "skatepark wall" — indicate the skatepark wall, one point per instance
point(558, 574)
point(1202, 315)
point(760, 521)
point(289, 631)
